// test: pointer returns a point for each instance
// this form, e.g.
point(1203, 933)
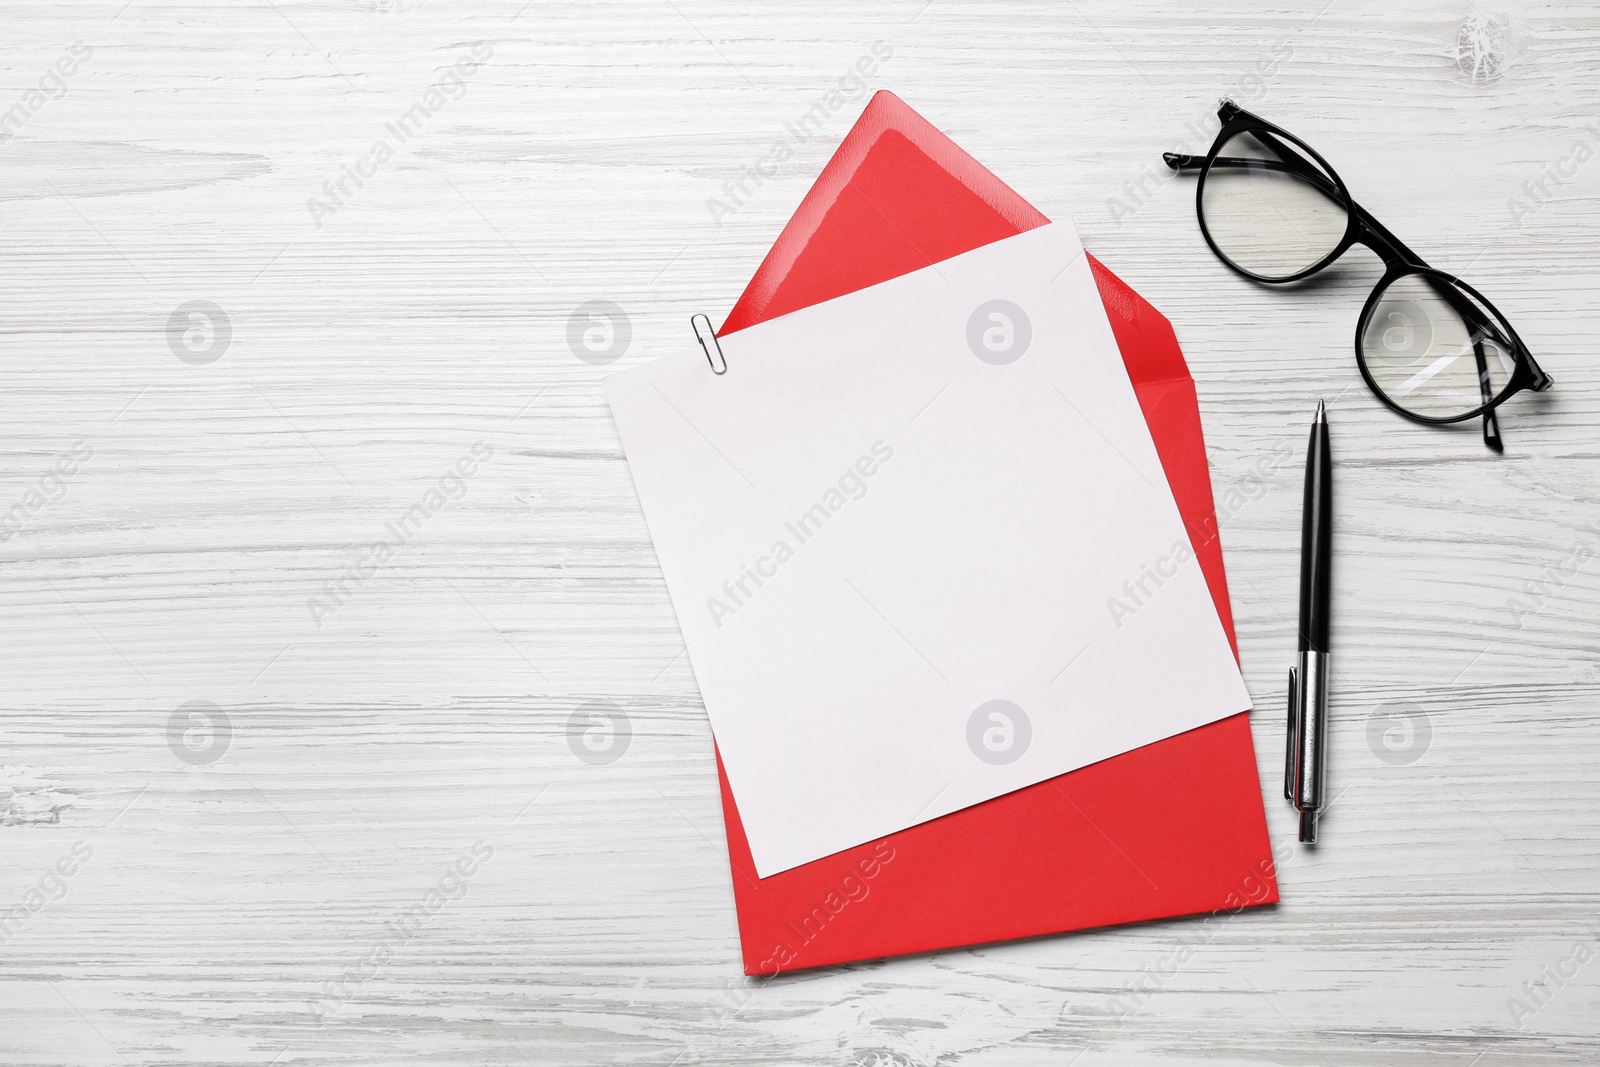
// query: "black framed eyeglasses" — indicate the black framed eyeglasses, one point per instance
point(1429, 345)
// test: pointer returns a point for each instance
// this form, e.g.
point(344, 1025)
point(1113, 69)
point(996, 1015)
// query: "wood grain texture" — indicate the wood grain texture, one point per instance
point(374, 345)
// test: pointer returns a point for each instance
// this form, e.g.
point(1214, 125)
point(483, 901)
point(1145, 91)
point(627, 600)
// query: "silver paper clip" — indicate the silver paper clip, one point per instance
point(708, 342)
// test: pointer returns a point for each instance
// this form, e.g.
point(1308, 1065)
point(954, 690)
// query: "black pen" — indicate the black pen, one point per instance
point(1305, 764)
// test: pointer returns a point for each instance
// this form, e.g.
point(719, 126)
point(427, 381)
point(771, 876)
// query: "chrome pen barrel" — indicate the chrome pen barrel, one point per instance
point(1306, 760)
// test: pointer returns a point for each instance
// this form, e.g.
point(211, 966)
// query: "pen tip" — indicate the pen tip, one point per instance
point(1322, 412)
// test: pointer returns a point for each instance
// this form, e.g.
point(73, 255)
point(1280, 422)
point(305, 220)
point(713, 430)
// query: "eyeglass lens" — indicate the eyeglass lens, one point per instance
point(1430, 345)
point(1270, 209)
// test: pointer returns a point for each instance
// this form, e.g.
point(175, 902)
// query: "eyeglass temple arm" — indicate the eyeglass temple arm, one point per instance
point(1491, 424)
point(1290, 159)
point(1181, 161)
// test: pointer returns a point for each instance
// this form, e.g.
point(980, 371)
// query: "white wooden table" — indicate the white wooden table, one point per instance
point(191, 510)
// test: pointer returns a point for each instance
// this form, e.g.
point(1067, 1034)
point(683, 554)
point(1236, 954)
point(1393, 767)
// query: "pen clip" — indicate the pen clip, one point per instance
point(1292, 743)
point(708, 343)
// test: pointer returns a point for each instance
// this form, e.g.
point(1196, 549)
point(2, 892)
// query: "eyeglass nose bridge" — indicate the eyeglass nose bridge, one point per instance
point(1378, 237)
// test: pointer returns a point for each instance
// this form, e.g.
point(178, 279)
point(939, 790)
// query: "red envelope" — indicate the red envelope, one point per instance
point(1174, 828)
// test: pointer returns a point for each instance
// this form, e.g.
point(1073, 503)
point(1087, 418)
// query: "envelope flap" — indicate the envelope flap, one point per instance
point(899, 195)
point(939, 203)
